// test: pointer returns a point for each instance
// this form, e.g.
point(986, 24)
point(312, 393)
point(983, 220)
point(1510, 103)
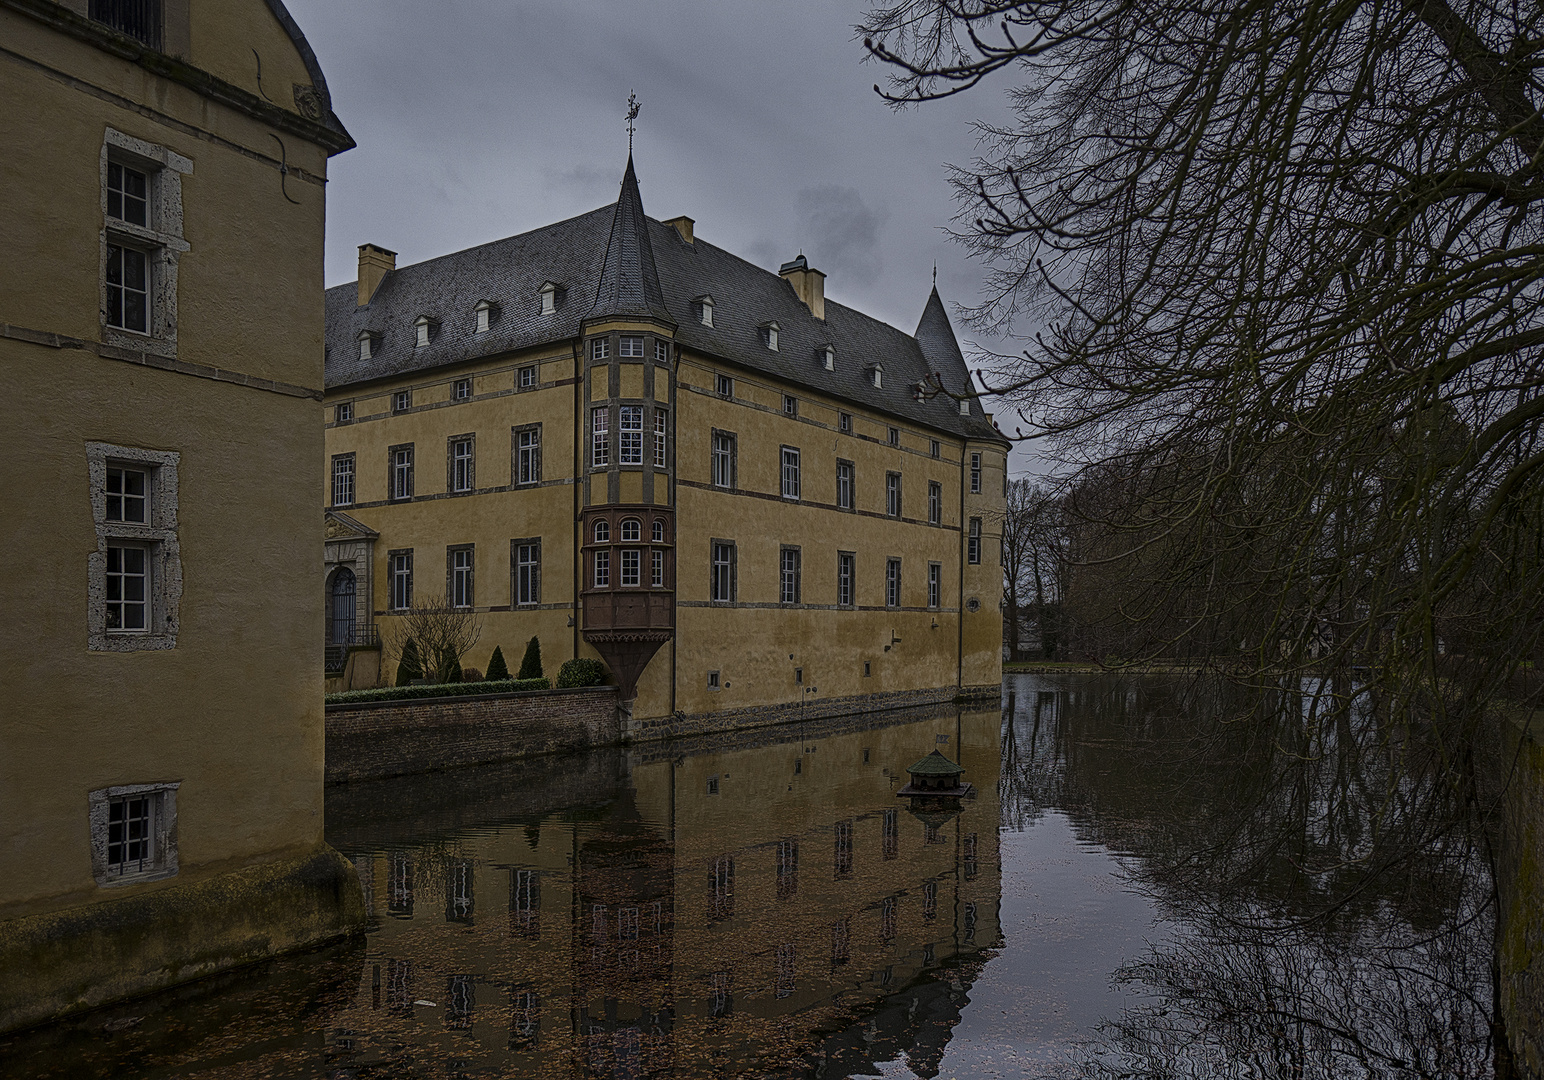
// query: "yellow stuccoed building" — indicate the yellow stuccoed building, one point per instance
point(749, 501)
point(161, 337)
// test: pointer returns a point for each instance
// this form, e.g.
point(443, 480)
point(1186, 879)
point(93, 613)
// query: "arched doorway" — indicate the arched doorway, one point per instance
point(340, 600)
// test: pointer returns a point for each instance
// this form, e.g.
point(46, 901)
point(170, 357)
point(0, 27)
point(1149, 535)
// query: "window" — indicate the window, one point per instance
point(713, 680)
point(527, 379)
point(486, 312)
point(723, 385)
point(876, 375)
point(631, 431)
point(462, 463)
point(846, 578)
point(600, 437)
point(783, 983)
point(128, 289)
point(828, 358)
point(343, 413)
point(549, 297)
point(425, 328)
point(603, 532)
point(893, 583)
point(788, 576)
point(631, 562)
point(140, 19)
point(600, 348)
point(895, 436)
point(366, 344)
point(135, 571)
point(657, 531)
point(768, 332)
point(461, 390)
point(343, 480)
point(935, 584)
point(702, 308)
point(657, 569)
point(844, 423)
point(603, 569)
point(790, 405)
point(526, 556)
point(975, 474)
point(661, 351)
point(528, 454)
point(127, 193)
point(720, 1000)
point(973, 542)
point(844, 485)
point(933, 447)
point(787, 868)
point(525, 1010)
point(399, 569)
point(712, 785)
point(630, 346)
point(631, 530)
point(722, 581)
point(133, 833)
point(843, 838)
point(790, 472)
point(893, 494)
point(721, 888)
point(661, 422)
point(458, 568)
point(935, 502)
point(890, 834)
point(402, 401)
point(723, 459)
point(400, 464)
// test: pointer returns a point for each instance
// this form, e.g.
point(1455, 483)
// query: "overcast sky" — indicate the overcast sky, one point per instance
point(479, 119)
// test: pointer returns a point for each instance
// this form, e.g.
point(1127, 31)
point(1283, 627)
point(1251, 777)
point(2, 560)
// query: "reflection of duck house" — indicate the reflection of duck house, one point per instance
point(936, 776)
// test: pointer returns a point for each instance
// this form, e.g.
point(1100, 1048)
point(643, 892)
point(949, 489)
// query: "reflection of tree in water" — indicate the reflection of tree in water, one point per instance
point(1326, 867)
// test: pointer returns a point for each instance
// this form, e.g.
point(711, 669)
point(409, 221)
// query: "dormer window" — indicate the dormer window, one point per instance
point(487, 313)
point(426, 328)
point(702, 310)
point(876, 374)
point(551, 297)
point(769, 335)
point(828, 357)
point(965, 406)
point(366, 344)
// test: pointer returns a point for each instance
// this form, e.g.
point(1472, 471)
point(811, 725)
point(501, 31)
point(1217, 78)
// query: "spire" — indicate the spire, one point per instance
point(629, 280)
point(936, 338)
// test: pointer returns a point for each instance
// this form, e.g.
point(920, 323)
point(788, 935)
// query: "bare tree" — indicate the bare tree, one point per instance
point(441, 635)
point(1035, 554)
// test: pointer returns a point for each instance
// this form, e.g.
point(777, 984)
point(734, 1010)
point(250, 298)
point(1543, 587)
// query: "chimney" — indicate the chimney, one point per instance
point(682, 225)
point(809, 285)
point(374, 264)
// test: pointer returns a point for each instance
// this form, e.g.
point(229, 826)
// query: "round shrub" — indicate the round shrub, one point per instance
point(581, 671)
point(471, 674)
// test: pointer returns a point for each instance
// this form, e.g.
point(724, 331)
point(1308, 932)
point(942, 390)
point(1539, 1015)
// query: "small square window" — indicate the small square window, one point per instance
point(790, 405)
point(461, 390)
point(133, 833)
point(713, 680)
point(724, 385)
point(528, 377)
point(343, 413)
point(402, 401)
point(600, 348)
point(844, 423)
point(630, 346)
point(895, 436)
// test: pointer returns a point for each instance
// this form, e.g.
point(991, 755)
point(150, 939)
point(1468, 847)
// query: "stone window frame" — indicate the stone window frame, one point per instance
point(353, 478)
point(450, 464)
point(160, 238)
point(514, 571)
point(343, 412)
point(391, 579)
point(392, 493)
point(158, 535)
point(520, 377)
point(893, 436)
point(514, 455)
point(459, 385)
point(723, 385)
point(451, 550)
point(163, 832)
point(844, 422)
point(401, 400)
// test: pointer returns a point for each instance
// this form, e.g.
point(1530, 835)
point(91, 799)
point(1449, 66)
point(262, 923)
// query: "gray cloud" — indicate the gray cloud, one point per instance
point(840, 233)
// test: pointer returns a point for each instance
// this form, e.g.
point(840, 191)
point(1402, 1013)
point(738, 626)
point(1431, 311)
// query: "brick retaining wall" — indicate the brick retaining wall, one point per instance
point(368, 740)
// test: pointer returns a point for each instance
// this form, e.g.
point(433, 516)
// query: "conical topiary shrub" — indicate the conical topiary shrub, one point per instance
point(497, 669)
point(409, 667)
point(530, 667)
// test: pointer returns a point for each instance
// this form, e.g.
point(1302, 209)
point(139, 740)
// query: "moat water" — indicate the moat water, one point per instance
point(1134, 888)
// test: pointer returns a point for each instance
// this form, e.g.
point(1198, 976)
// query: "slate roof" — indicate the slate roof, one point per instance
point(603, 259)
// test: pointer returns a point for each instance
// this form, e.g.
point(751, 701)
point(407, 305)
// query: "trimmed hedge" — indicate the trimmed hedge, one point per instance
point(403, 693)
point(581, 671)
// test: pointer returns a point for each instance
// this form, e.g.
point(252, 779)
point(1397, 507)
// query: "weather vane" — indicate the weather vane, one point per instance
point(632, 114)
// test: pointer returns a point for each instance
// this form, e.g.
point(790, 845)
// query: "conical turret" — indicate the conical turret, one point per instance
point(629, 280)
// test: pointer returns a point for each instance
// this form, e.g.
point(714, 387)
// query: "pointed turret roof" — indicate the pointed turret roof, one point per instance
point(936, 338)
point(629, 280)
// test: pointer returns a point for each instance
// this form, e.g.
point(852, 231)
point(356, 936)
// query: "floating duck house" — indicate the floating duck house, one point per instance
point(935, 775)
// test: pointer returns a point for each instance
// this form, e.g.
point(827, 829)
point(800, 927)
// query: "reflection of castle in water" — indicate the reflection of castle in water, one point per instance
point(765, 906)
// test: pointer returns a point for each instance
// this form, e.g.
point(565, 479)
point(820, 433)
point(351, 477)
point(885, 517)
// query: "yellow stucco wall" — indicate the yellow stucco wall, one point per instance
point(233, 710)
